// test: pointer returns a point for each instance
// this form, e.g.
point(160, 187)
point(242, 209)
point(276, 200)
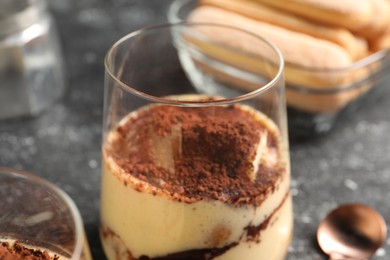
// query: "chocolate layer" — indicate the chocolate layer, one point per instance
point(251, 233)
point(197, 254)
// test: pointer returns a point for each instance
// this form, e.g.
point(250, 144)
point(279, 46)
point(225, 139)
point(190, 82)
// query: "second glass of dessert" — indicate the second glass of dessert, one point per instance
point(38, 220)
point(195, 166)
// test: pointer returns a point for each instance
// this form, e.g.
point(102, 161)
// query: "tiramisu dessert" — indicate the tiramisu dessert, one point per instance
point(207, 182)
point(15, 250)
point(12, 249)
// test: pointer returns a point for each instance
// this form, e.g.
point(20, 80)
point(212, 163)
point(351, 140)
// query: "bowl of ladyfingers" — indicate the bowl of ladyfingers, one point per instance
point(336, 52)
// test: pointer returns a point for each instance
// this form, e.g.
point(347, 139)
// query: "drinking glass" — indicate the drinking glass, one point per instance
point(195, 151)
point(37, 215)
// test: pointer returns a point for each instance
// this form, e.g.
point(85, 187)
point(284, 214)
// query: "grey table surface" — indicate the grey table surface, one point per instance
point(349, 164)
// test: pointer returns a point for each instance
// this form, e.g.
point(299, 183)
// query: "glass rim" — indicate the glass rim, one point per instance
point(78, 249)
point(220, 101)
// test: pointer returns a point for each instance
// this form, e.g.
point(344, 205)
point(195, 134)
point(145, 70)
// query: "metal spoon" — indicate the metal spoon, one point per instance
point(351, 231)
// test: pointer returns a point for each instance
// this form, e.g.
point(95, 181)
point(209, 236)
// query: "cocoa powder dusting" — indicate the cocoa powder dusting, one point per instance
point(196, 153)
point(18, 251)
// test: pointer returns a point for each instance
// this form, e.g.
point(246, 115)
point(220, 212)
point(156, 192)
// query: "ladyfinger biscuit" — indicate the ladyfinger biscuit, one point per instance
point(255, 10)
point(312, 64)
point(303, 100)
point(351, 14)
point(297, 48)
point(379, 23)
point(381, 42)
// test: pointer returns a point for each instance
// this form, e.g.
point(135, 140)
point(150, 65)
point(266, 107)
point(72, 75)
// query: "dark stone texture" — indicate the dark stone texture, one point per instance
point(349, 164)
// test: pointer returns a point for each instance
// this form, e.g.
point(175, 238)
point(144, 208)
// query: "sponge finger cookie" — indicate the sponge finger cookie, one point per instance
point(327, 61)
point(357, 47)
point(350, 14)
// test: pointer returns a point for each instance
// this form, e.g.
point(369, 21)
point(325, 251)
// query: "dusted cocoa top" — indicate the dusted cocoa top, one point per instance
point(18, 251)
point(198, 153)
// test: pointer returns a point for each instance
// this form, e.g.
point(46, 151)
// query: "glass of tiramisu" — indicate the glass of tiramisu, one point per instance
point(195, 162)
point(38, 221)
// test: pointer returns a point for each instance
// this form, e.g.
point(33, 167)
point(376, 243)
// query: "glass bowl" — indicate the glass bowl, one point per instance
point(38, 216)
point(316, 97)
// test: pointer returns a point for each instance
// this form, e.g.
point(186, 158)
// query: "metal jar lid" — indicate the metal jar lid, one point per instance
point(16, 15)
